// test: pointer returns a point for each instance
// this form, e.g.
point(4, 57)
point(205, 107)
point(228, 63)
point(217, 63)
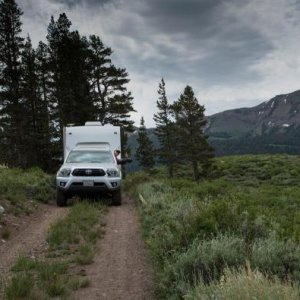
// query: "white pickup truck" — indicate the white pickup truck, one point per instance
point(90, 165)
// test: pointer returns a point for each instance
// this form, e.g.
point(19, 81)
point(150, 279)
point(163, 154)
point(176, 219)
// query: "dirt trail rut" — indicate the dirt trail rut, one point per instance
point(120, 270)
point(30, 239)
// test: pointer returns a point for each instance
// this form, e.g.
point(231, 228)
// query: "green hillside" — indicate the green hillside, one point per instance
point(235, 235)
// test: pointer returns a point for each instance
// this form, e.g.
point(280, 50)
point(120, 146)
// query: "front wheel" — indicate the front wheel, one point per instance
point(61, 199)
point(117, 197)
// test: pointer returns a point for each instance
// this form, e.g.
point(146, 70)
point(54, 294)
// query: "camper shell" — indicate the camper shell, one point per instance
point(90, 165)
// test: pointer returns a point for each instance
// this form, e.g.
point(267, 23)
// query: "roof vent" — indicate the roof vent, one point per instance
point(93, 123)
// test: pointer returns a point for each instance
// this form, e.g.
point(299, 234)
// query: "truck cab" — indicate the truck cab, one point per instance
point(90, 165)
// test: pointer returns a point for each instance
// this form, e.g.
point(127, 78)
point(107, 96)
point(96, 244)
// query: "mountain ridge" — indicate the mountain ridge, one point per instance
point(281, 111)
point(269, 127)
point(272, 126)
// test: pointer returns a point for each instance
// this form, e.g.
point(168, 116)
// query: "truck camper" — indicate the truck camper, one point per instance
point(90, 165)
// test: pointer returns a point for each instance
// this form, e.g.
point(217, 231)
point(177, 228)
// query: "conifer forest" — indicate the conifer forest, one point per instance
point(69, 79)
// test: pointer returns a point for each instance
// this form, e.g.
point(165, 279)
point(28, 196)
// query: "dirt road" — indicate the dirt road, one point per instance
point(30, 239)
point(120, 270)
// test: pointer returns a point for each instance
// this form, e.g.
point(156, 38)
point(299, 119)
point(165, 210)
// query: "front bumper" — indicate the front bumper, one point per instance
point(77, 184)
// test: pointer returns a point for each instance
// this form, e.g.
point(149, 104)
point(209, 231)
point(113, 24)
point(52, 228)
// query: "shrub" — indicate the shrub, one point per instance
point(277, 257)
point(195, 231)
point(18, 185)
point(205, 260)
point(244, 285)
point(134, 179)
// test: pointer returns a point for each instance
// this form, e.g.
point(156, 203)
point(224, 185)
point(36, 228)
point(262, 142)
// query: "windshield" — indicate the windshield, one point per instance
point(90, 157)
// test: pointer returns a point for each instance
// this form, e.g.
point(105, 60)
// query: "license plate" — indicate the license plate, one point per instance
point(88, 183)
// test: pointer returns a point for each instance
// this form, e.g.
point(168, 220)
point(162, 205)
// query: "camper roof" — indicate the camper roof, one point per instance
point(92, 146)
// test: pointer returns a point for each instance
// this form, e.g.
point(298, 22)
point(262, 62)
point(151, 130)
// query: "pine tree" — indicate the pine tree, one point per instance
point(108, 87)
point(165, 130)
point(36, 126)
point(47, 126)
point(29, 90)
point(70, 96)
point(190, 120)
point(11, 106)
point(58, 33)
point(145, 151)
point(113, 103)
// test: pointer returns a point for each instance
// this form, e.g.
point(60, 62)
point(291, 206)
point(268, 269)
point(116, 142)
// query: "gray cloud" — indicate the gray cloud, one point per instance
point(197, 27)
point(229, 49)
point(175, 16)
point(73, 3)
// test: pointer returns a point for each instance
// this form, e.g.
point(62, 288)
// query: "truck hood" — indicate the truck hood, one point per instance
point(89, 166)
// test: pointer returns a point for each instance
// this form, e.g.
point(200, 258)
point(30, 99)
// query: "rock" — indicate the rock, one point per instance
point(1, 210)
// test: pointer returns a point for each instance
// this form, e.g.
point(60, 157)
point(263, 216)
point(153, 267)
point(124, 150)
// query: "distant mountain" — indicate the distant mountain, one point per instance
point(270, 127)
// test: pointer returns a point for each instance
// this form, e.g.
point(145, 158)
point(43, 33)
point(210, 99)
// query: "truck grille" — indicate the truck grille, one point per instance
point(88, 172)
point(95, 184)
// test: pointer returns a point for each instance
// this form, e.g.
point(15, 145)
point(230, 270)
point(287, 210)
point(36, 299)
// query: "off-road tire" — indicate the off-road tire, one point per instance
point(117, 198)
point(61, 198)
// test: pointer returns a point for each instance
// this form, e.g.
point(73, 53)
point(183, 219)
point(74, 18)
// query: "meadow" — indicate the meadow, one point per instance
point(234, 235)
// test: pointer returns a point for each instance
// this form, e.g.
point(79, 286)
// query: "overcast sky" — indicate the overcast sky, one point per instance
point(234, 53)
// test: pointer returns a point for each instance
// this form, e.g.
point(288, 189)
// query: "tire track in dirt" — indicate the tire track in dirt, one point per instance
point(31, 238)
point(121, 269)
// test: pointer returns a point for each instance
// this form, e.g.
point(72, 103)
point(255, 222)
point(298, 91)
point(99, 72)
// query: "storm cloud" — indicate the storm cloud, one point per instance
point(233, 53)
point(72, 3)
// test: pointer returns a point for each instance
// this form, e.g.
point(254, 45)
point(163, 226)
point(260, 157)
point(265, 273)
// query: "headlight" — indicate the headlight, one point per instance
point(65, 172)
point(113, 173)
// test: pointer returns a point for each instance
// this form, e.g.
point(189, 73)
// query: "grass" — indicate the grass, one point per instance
point(78, 283)
point(86, 254)
point(31, 276)
point(24, 264)
point(81, 224)
point(70, 243)
point(198, 233)
point(18, 186)
point(20, 287)
point(20, 192)
point(244, 284)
